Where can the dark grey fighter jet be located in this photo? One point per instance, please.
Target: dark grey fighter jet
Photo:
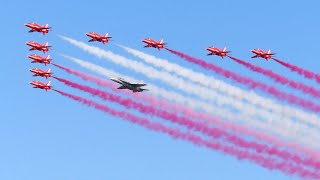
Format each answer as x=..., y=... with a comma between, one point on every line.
x=130, y=86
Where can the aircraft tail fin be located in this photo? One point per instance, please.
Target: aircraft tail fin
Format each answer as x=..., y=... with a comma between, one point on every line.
x=46, y=44
x=46, y=26
x=106, y=35
x=224, y=49
x=49, y=70
x=48, y=84
x=269, y=51
x=161, y=41
x=48, y=57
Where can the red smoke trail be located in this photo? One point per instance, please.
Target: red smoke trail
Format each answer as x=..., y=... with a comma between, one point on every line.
x=86, y=77
x=269, y=163
x=251, y=83
x=306, y=73
x=279, y=78
x=195, y=115
x=213, y=132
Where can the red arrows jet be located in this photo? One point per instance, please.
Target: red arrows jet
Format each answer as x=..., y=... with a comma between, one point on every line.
x=39, y=59
x=218, y=52
x=38, y=28
x=37, y=46
x=40, y=85
x=97, y=37
x=40, y=72
x=260, y=53
x=152, y=43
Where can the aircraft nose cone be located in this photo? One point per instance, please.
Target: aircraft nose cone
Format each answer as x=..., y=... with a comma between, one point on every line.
x=89, y=34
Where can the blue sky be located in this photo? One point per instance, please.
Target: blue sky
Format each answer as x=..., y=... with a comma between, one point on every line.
x=46, y=136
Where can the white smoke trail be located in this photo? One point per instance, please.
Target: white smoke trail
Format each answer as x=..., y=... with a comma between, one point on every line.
x=174, y=81
x=293, y=133
x=181, y=84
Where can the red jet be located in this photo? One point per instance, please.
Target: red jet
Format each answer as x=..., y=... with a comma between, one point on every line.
x=42, y=73
x=260, y=53
x=40, y=85
x=37, y=46
x=39, y=59
x=152, y=43
x=218, y=52
x=97, y=37
x=38, y=28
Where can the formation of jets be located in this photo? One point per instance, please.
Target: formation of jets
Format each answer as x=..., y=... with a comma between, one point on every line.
x=47, y=60
x=213, y=50
x=39, y=59
x=223, y=52
x=134, y=87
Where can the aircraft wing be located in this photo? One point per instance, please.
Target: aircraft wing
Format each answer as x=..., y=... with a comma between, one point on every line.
x=124, y=82
x=116, y=80
x=123, y=87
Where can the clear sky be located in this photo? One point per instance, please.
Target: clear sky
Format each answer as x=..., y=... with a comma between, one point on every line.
x=47, y=136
